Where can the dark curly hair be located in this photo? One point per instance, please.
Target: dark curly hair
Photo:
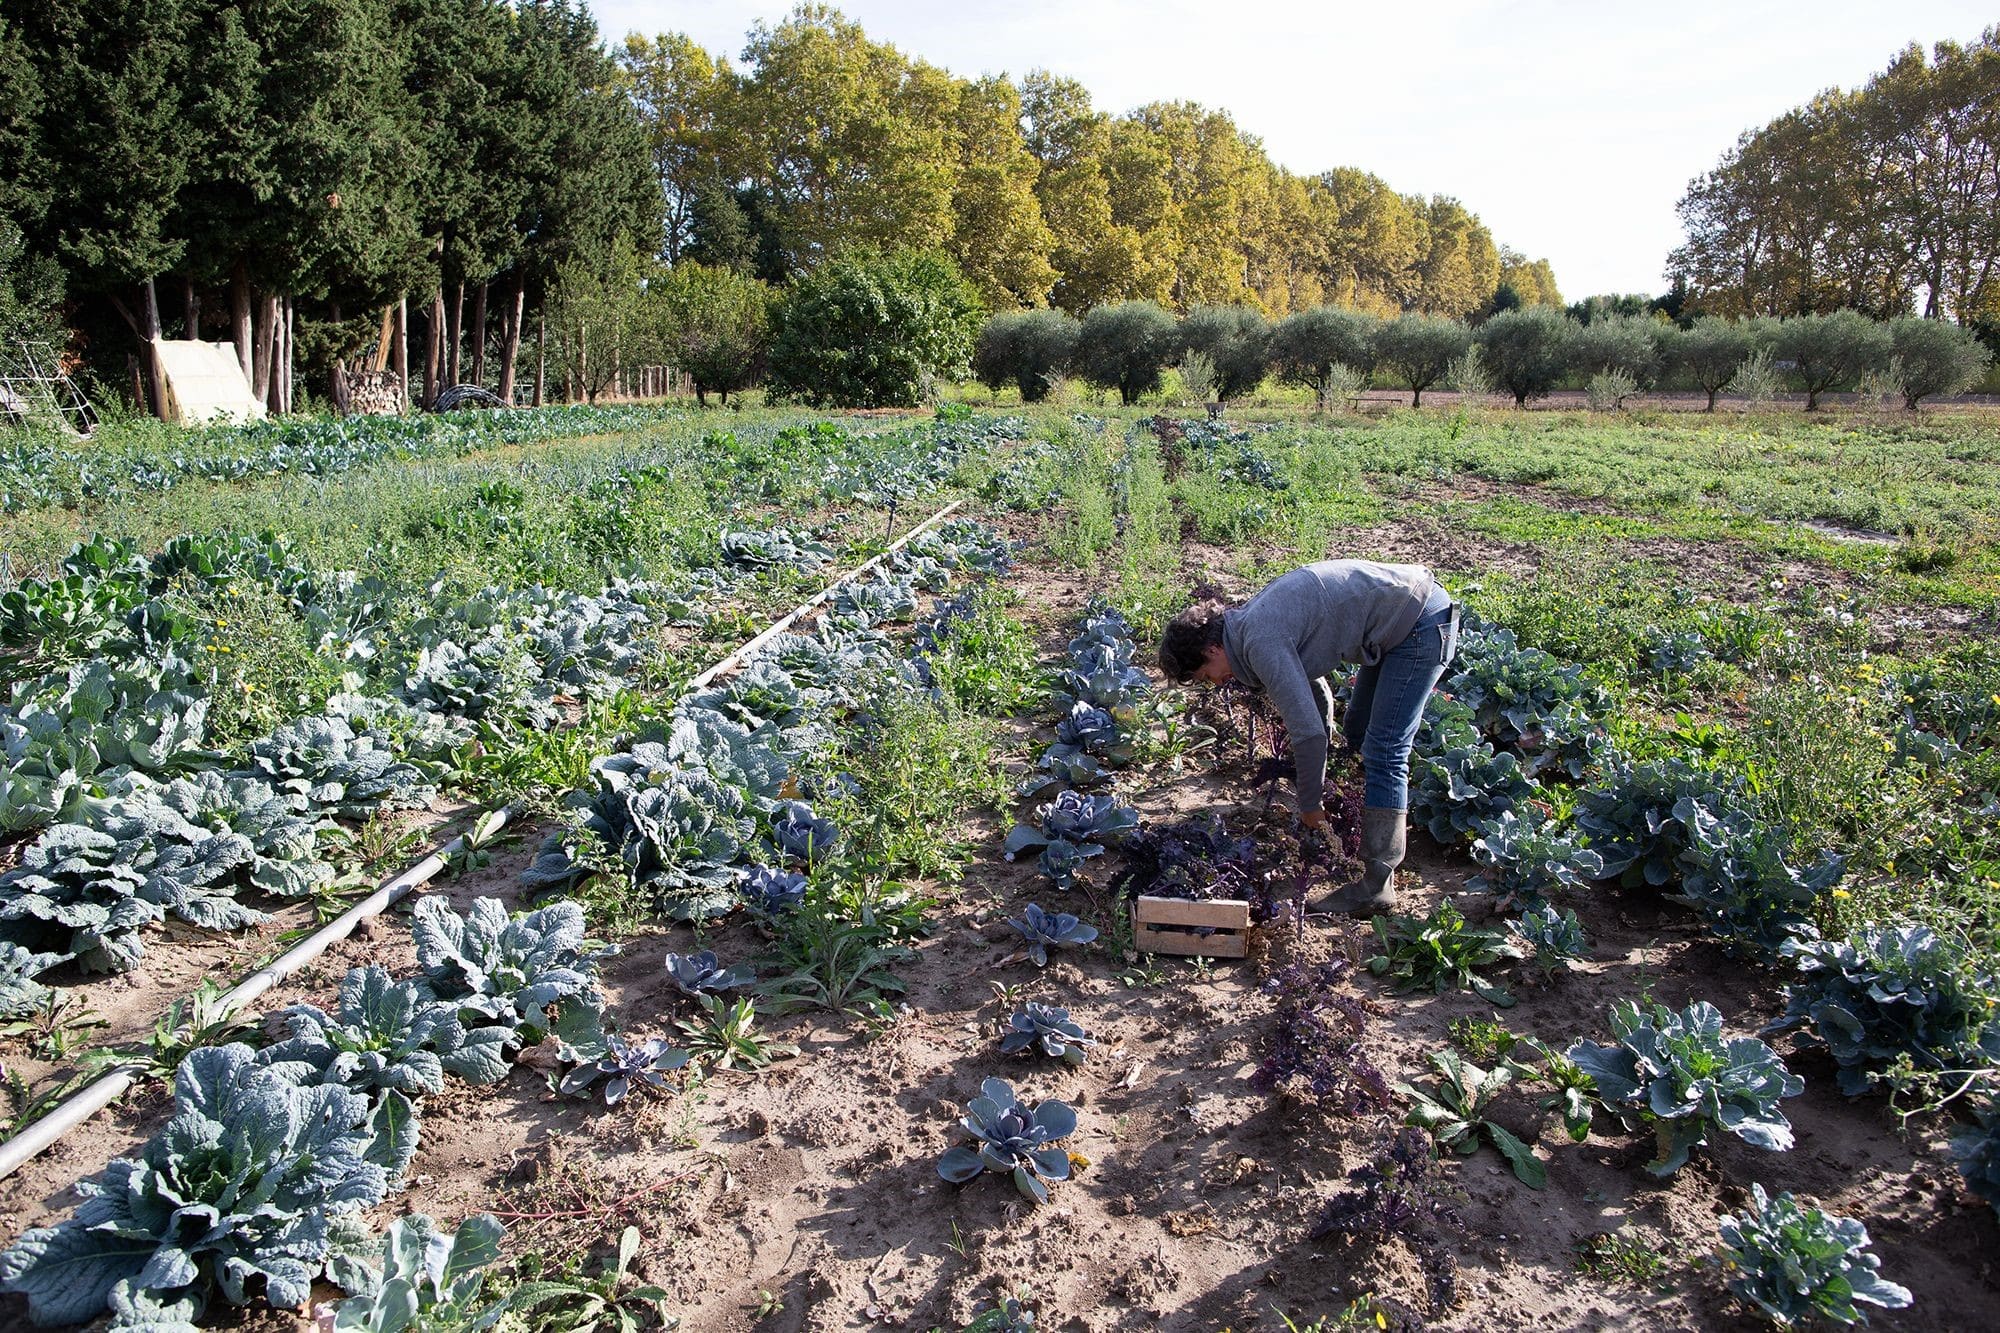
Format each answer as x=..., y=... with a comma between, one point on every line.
x=1184, y=647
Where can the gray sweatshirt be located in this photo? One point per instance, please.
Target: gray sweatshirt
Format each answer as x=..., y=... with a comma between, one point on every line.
x=1307, y=625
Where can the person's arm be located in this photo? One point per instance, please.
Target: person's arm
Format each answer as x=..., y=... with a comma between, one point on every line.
x=1291, y=691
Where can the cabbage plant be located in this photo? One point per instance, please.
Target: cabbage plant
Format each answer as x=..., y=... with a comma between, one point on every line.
x=527, y=974
x=1795, y=1262
x=1073, y=827
x=1011, y=1139
x=1459, y=792
x=1048, y=1029
x=1042, y=931
x=1525, y=855
x=321, y=764
x=1555, y=935
x=1676, y=1072
x=621, y=1066
x=701, y=974
x=243, y=1185
x=771, y=892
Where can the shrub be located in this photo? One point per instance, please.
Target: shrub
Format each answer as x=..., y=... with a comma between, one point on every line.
x=1125, y=347
x=1032, y=349
x=1237, y=342
x=1527, y=350
x=1830, y=350
x=1419, y=349
x=870, y=330
x=1708, y=355
x=1937, y=358
x=1312, y=347
x=714, y=323
x=1794, y=1262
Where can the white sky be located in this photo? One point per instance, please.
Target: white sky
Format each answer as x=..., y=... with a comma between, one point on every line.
x=1571, y=128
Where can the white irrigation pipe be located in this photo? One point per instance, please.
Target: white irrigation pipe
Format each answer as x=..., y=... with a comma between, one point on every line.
x=79, y=1107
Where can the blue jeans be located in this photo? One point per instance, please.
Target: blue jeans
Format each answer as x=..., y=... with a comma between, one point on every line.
x=1388, y=701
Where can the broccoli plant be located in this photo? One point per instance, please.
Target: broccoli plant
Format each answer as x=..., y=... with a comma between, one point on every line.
x=1050, y=1030
x=1795, y=1262
x=1073, y=827
x=701, y=974
x=1633, y=818
x=1555, y=936
x=1440, y=951
x=1678, y=1073
x=1457, y=1112
x=1525, y=856
x=243, y=1185
x=1042, y=931
x=1736, y=875
x=534, y=975
x=1013, y=1140
x=429, y=1280
x=1513, y=692
x=1675, y=652
x=623, y=1066
x=1890, y=991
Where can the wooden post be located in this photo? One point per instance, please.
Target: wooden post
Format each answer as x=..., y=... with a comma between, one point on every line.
x=401, y=353
x=479, y=336
x=267, y=328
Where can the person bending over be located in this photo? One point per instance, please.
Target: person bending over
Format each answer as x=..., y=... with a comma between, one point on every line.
x=1396, y=622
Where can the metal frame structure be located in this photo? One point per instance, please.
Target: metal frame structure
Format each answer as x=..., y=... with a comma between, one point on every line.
x=34, y=385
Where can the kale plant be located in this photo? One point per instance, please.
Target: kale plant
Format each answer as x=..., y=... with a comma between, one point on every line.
x=1678, y=1073
x=76, y=895
x=20, y=994
x=429, y=1280
x=1196, y=859
x=1315, y=1049
x=1013, y=1140
x=1048, y=1029
x=1440, y=951
x=621, y=1066
x=1042, y=931
x=1457, y=1112
x=386, y=1034
x=1525, y=856
x=534, y=974
x=322, y=765
x=1796, y=1263
x=245, y=1182
x=1400, y=1192
x=700, y=974
x=1555, y=936
x=1890, y=991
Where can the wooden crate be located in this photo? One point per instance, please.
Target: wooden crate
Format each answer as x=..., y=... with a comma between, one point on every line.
x=1168, y=925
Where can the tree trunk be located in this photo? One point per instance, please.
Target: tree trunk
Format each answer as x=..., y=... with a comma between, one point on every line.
x=149, y=334
x=456, y=335
x=434, y=349
x=510, y=347
x=193, y=303
x=583, y=365
x=541, y=355
x=285, y=366
x=138, y=374
x=239, y=317
x=1711, y=398
x=399, y=353
x=384, y=339
x=479, y=336
x=260, y=370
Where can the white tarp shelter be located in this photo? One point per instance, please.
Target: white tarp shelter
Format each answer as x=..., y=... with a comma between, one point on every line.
x=202, y=382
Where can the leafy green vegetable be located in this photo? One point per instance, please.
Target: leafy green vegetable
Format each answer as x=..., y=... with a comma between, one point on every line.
x=1457, y=1113
x=1440, y=951
x=1013, y=1140
x=1048, y=1029
x=429, y=1280
x=1678, y=1073
x=244, y=1183
x=533, y=974
x=1795, y=1262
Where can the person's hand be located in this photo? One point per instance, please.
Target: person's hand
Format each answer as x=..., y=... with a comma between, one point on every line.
x=1313, y=819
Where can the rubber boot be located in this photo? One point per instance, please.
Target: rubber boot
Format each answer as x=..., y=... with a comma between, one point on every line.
x=1384, y=838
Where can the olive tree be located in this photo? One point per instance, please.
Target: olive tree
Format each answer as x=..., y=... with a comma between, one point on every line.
x=1708, y=355
x=1030, y=349
x=1418, y=349
x=1631, y=343
x=1830, y=350
x=1125, y=347
x=1308, y=348
x=1237, y=342
x=1527, y=350
x=1936, y=358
